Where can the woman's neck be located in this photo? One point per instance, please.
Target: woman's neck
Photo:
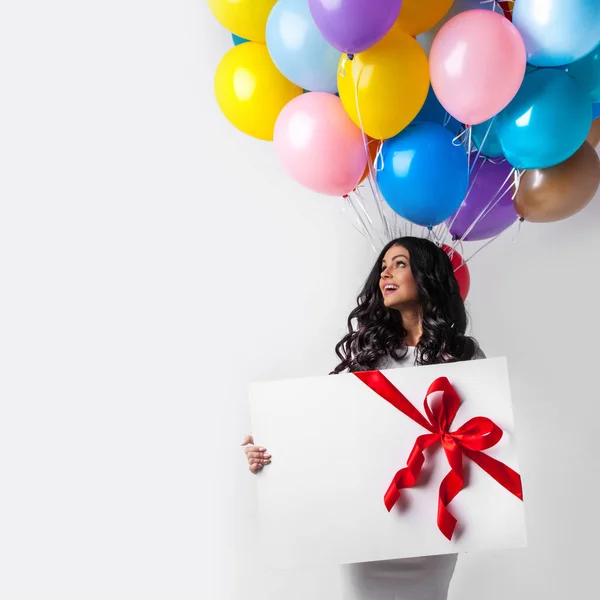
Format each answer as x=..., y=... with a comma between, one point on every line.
x=413, y=325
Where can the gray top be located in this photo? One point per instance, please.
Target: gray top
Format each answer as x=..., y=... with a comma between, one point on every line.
x=409, y=359
x=426, y=578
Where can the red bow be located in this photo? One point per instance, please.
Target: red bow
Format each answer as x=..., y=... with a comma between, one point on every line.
x=477, y=434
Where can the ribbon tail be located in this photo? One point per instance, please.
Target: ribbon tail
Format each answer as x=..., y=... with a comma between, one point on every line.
x=449, y=489
x=502, y=473
x=407, y=477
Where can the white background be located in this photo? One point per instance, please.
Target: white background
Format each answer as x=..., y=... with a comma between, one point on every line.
x=153, y=260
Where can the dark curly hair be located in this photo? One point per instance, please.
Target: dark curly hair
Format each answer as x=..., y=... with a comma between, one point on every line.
x=375, y=332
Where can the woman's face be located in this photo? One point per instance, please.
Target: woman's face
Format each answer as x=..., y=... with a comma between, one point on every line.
x=397, y=284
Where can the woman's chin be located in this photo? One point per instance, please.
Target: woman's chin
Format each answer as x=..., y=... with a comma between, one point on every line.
x=391, y=303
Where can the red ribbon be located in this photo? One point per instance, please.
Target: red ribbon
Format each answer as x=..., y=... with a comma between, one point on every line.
x=477, y=434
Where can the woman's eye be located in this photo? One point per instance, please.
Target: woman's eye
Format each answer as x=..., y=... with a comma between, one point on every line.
x=400, y=263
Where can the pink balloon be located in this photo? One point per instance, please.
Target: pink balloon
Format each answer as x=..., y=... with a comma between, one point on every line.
x=319, y=145
x=477, y=64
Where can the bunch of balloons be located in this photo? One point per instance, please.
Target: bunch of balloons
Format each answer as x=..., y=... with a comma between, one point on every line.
x=468, y=113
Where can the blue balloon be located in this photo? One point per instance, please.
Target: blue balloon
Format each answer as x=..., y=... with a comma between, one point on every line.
x=299, y=50
x=434, y=112
x=586, y=71
x=237, y=40
x=486, y=140
x=547, y=122
x=557, y=32
x=595, y=110
x=424, y=175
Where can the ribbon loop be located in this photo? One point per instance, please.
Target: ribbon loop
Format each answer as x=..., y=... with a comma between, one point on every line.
x=477, y=434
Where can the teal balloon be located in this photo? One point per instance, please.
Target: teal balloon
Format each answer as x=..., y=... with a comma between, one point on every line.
x=298, y=48
x=546, y=122
x=237, y=40
x=586, y=71
x=557, y=32
x=425, y=176
x=486, y=140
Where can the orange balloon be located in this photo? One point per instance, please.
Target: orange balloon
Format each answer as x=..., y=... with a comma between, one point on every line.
x=373, y=148
x=419, y=16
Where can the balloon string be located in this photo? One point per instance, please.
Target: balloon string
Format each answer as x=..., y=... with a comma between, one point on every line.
x=371, y=177
x=490, y=205
x=343, y=65
x=469, y=148
x=365, y=230
x=480, y=147
x=458, y=140
x=379, y=158
x=473, y=180
x=520, y=222
x=360, y=202
x=518, y=230
x=482, y=247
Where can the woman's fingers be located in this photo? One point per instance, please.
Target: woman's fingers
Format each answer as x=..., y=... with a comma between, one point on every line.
x=255, y=468
x=250, y=449
x=259, y=460
x=258, y=455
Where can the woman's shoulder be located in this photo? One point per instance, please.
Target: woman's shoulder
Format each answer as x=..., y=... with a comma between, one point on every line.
x=471, y=350
x=479, y=353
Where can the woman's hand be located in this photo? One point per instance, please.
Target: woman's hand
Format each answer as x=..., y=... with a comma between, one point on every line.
x=257, y=456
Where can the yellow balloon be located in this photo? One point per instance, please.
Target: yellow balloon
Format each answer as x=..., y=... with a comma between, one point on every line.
x=417, y=16
x=392, y=81
x=250, y=90
x=246, y=18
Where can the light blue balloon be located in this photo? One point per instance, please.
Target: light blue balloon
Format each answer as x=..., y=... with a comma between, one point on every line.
x=299, y=50
x=425, y=176
x=557, y=32
x=595, y=110
x=547, y=121
x=587, y=72
x=237, y=40
x=486, y=139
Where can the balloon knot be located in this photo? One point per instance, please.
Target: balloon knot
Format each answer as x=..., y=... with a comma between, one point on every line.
x=350, y=56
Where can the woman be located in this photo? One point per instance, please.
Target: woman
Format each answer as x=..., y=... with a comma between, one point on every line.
x=410, y=312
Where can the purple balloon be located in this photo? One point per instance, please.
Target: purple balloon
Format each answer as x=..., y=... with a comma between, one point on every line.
x=353, y=26
x=490, y=185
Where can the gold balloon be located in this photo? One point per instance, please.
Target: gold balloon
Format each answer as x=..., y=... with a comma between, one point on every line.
x=419, y=16
x=559, y=192
x=246, y=18
x=251, y=91
x=594, y=135
x=391, y=80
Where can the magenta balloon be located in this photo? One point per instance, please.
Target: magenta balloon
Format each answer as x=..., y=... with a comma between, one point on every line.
x=490, y=183
x=354, y=26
